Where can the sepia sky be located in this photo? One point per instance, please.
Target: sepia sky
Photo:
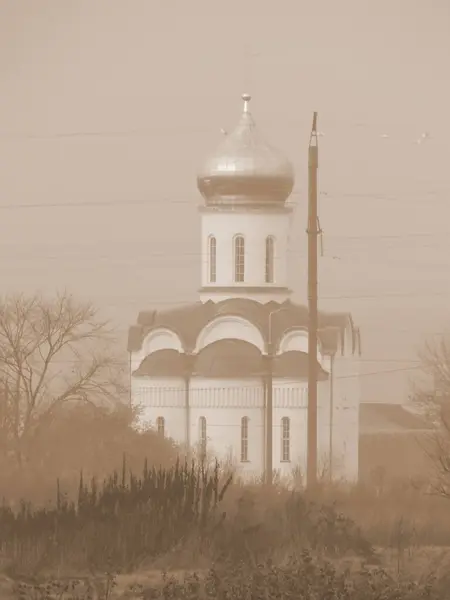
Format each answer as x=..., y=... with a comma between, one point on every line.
x=108, y=107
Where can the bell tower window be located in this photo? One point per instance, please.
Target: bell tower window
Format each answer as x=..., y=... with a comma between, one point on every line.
x=212, y=259
x=270, y=247
x=239, y=259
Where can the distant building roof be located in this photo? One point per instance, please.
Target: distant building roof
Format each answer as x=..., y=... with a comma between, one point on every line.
x=375, y=418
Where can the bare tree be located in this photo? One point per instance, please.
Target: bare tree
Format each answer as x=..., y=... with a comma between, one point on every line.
x=52, y=352
x=434, y=398
x=434, y=394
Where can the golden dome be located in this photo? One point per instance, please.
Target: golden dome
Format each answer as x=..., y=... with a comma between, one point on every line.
x=245, y=169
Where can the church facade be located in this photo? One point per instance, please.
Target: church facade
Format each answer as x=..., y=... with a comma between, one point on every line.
x=200, y=372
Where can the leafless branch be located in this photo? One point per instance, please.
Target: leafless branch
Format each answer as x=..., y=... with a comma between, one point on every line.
x=51, y=352
x=435, y=399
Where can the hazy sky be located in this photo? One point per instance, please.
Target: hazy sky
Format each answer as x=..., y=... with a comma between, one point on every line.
x=112, y=105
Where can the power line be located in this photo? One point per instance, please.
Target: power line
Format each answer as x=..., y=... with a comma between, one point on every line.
x=376, y=327
x=184, y=128
x=198, y=201
x=142, y=307
x=293, y=382
x=181, y=254
x=125, y=362
x=181, y=303
x=162, y=259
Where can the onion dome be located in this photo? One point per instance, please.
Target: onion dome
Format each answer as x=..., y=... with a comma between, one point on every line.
x=245, y=170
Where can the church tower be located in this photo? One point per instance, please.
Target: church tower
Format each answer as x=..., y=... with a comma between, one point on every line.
x=245, y=220
x=228, y=374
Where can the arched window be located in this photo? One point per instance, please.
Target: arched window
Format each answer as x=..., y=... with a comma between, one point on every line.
x=160, y=423
x=239, y=258
x=270, y=248
x=212, y=258
x=202, y=435
x=285, y=439
x=244, y=439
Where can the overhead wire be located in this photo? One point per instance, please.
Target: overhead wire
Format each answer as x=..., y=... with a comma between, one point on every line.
x=404, y=361
x=146, y=202
x=287, y=381
x=270, y=117
x=419, y=195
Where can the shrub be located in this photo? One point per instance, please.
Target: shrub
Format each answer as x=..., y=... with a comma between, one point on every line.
x=81, y=438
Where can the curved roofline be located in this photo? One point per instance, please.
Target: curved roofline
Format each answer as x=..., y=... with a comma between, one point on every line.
x=245, y=168
x=178, y=365
x=186, y=322
x=240, y=319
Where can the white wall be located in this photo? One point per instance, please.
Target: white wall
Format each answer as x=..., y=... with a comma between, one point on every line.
x=323, y=427
x=290, y=399
x=162, y=397
x=346, y=400
x=223, y=403
x=255, y=227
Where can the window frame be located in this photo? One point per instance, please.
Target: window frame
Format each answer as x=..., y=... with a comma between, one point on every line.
x=239, y=258
x=285, y=440
x=244, y=439
x=212, y=259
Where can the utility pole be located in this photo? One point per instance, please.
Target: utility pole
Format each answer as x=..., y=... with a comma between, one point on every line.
x=269, y=410
x=313, y=234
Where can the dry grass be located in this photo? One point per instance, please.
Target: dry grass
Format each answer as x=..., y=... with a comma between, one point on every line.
x=181, y=531
x=249, y=541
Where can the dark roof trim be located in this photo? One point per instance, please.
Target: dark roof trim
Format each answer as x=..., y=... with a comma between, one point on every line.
x=188, y=321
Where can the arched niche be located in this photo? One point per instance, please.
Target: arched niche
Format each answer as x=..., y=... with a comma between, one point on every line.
x=230, y=327
x=161, y=339
x=296, y=340
x=158, y=339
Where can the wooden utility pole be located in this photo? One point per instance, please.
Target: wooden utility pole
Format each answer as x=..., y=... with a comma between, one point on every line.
x=269, y=412
x=313, y=234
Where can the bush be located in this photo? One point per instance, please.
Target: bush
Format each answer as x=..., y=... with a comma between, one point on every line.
x=117, y=523
x=80, y=438
x=304, y=577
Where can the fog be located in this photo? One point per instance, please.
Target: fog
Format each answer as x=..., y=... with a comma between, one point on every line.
x=108, y=108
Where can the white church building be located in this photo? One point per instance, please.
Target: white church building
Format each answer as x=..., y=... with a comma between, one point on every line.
x=200, y=372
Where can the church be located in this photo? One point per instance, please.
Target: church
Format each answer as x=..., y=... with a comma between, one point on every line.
x=200, y=372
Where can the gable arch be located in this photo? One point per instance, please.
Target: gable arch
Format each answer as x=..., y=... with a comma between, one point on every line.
x=161, y=338
x=296, y=340
x=228, y=327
